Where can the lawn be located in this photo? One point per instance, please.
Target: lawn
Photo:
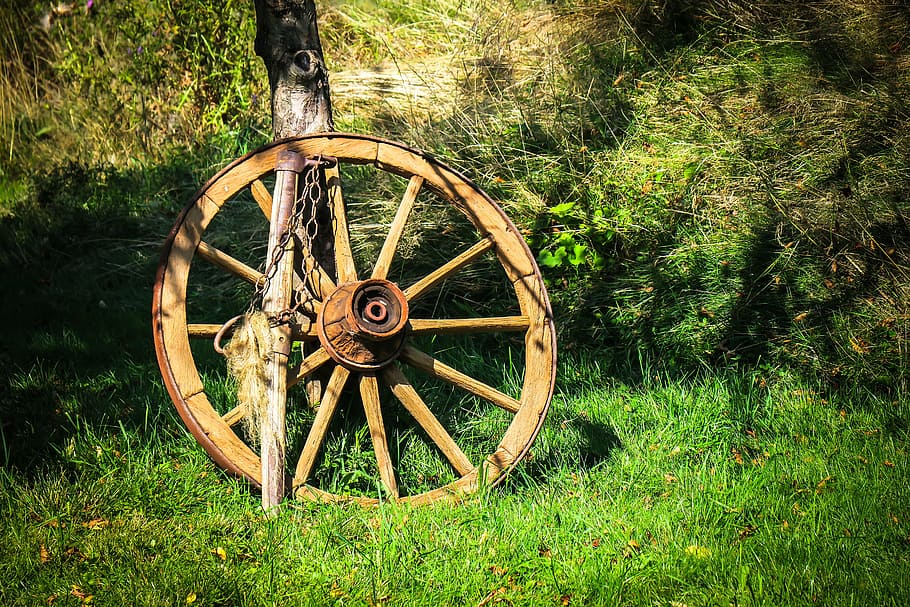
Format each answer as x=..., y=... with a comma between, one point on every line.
x=717, y=198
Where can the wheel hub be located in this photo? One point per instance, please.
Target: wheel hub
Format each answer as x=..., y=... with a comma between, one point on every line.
x=363, y=324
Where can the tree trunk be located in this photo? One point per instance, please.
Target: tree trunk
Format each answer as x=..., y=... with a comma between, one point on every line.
x=287, y=39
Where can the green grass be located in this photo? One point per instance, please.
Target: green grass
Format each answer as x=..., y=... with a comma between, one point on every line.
x=717, y=192
x=706, y=491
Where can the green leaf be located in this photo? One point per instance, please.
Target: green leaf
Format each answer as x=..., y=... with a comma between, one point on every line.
x=561, y=210
x=547, y=259
x=566, y=239
x=578, y=255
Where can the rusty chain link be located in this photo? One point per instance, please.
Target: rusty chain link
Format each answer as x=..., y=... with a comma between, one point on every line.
x=310, y=195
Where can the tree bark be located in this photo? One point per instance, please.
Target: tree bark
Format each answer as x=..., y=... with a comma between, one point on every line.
x=287, y=39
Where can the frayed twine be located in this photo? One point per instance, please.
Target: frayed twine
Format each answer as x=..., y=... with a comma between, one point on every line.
x=248, y=356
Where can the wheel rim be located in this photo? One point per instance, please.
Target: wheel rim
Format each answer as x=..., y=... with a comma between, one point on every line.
x=382, y=379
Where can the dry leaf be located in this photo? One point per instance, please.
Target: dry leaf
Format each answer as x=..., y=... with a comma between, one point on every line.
x=747, y=531
x=801, y=317
x=191, y=598
x=220, y=553
x=43, y=554
x=859, y=345
x=81, y=595
x=336, y=592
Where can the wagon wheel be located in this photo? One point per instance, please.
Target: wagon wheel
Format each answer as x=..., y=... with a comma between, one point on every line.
x=402, y=299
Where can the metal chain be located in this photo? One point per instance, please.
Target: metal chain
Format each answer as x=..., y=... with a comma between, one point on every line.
x=310, y=195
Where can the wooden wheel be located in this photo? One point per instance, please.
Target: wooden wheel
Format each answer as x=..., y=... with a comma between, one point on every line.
x=432, y=335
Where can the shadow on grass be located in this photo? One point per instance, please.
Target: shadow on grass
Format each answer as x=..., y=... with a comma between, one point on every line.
x=77, y=259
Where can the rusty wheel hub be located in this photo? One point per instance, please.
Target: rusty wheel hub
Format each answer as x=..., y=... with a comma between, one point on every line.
x=363, y=324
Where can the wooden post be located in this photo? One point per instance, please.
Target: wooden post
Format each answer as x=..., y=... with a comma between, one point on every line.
x=287, y=39
x=275, y=302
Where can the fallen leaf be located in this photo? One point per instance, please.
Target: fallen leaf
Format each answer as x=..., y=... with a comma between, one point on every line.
x=43, y=554
x=859, y=345
x=220, y=553
x=888, y=463
x=565, y=600
x=801, y=317
x=96, y=523
x=747, y=531
x=737, y=456
x=497, y=570
x=544, y=551
x=191, y=598
x=335, y=591
x=492, y=595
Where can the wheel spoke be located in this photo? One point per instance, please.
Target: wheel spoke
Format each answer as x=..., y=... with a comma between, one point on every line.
x=440, y=326
x=344, y=258
x=199, y=330
x=405, y=392
x=307, y=366
x=226, y=262
x=324, y=414
x=233, y=417
x=369, y=393
x=384, y=261
x=426, y=363
x=429, y=281
x=262, y=196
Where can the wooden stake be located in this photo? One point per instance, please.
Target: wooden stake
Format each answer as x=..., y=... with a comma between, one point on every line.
x=275, y=300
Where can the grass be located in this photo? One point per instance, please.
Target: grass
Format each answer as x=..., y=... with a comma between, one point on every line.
x=717, y=194
x=707, y=491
